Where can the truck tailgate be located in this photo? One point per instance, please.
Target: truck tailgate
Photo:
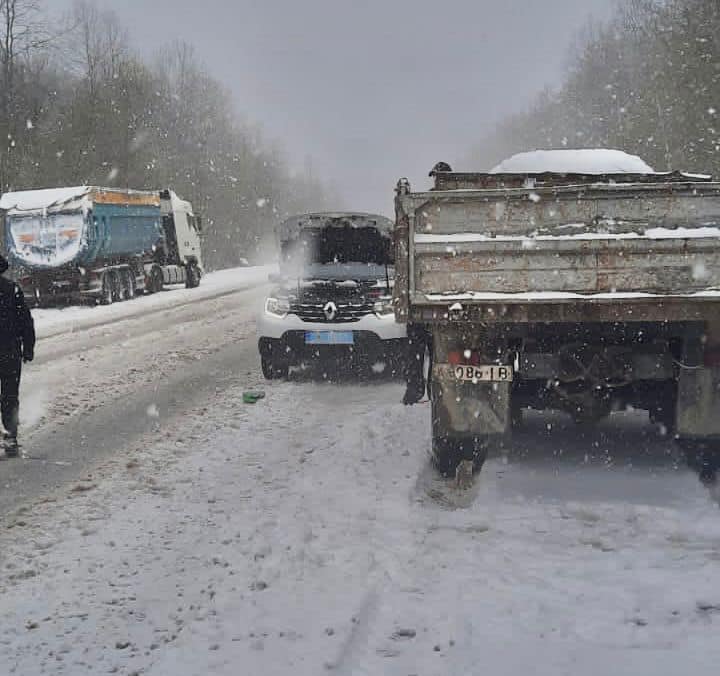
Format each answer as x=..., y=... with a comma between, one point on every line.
x=561, y=243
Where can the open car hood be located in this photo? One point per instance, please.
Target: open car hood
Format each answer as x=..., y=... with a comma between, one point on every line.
x=339, y=244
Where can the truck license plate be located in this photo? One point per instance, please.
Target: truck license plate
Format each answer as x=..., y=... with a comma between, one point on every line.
x=329, y=338
x=476, y=374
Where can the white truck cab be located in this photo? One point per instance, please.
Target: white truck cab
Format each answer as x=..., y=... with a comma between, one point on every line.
x=182, y=256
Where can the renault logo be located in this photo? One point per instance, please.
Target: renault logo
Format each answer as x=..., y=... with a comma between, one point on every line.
x=330, y=311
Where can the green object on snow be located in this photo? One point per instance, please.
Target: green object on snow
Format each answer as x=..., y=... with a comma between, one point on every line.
x=253, y=396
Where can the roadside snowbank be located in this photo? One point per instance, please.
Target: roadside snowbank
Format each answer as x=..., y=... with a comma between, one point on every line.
x=51, y=322
x=307, y=534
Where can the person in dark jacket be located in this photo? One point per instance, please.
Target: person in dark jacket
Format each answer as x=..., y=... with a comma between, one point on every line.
x=17, y=345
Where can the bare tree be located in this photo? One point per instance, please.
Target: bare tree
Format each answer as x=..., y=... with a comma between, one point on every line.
x=23, y=32
x=95, y=112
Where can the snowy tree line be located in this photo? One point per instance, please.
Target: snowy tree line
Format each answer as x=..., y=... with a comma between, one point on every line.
x=78, y=105
x=646, y=82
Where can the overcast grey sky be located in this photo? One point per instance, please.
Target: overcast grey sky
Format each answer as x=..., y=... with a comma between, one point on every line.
x=371, y=90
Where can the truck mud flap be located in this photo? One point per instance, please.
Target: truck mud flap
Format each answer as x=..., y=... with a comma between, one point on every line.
x=698, y=403
x=469, y=409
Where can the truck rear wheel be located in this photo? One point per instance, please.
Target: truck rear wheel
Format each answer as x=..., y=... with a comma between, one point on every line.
x=192, y=280
x=449, y=451
x=108, y=288
x=155, y=281
x=703, y=457
x=273, y=369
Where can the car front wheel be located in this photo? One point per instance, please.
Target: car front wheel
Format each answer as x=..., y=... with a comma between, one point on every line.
x=274, y=370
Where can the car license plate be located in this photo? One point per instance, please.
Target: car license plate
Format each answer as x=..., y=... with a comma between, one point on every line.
x=329, y=338
x=476, y=374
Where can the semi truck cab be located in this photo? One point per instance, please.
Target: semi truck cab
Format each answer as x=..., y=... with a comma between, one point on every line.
x=181, y=249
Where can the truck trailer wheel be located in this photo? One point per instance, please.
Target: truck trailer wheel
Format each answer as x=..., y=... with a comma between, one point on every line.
x=126, y=284
x=663, y=410
x=108, y=288
x=155, y=281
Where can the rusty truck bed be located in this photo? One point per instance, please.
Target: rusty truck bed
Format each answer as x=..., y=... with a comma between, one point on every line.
x=559, y=248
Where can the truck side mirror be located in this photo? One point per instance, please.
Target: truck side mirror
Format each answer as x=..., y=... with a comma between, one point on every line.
x=198, y=223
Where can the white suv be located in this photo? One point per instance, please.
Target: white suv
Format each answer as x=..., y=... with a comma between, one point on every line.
x=333, y=298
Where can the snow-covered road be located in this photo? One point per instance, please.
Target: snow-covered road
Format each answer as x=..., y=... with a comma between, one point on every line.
x=308, y=534
x=102, y=376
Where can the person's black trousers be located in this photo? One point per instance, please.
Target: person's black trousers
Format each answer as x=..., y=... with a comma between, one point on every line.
x=10, y=370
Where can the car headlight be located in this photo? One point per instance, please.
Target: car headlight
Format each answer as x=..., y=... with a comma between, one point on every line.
x=384, y=307
x=277, y=307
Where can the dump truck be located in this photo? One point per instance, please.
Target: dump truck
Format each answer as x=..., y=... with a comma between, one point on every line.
x=99, y=244
x=585, y=289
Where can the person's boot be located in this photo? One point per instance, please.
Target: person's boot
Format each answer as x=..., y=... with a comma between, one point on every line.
x=11, y=445
x=11, y=432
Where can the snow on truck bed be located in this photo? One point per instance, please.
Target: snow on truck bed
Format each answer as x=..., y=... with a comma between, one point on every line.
x=540, y=296
x=582, y=161
x=36, y=200
x=649, y=233
x=51, y=322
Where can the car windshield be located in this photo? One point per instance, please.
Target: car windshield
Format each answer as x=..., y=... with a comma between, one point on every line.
x=359, y=338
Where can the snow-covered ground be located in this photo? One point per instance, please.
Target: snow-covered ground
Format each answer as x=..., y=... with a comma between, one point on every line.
x=307, y=534
x=50, y=322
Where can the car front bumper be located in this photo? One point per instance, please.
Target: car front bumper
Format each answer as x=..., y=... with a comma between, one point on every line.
x=374, y=339
x=384, y=328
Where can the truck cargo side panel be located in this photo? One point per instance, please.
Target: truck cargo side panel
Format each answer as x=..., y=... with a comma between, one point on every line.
x=121, y=231
x=469, y=243
x=527, y=211
x=641, y=266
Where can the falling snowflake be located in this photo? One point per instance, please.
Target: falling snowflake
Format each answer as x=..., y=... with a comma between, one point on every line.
x=699, y=270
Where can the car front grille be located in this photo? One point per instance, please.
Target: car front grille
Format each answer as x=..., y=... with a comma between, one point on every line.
x=345, y=312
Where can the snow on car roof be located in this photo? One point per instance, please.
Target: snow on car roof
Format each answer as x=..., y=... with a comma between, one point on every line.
x=581, y=161
x=34, y=200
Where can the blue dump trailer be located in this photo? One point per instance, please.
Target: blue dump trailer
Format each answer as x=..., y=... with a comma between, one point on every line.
x=100, y=243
